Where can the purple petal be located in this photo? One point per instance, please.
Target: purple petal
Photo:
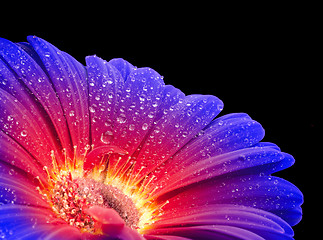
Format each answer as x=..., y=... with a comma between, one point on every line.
x=18, y=123
x=209, y=233
x=123, y=66
x=69, y=79
x=269, y=193
x=105, y=82
x=31, y=74
x=17, y=188
x=179, y=125
x=225, y=134
x=265, y=224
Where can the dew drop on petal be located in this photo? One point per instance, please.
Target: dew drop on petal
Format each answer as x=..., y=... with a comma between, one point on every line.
x=145, y=126
x=23, y=133
x=107, y=137
x=131, y=127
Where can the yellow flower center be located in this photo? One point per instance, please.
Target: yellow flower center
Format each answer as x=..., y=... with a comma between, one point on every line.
x=70, y=191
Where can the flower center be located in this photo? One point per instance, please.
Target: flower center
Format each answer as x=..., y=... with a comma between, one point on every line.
x=72, y=188
x=70, y=197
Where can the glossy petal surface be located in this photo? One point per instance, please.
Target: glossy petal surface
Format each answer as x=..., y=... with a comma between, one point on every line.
x=108, y=151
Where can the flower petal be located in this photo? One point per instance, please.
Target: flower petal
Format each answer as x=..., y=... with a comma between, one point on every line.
x=19, y=124
x=32, y=75
x=14, y=154
x=123, y=66
x=69, y=79
x=165, y=237
x=240, y=162
x=27, y=222
x=269, y=193
x=16, y=187
x=135, y=109
x=225, y=134
x=105, y=82
x=179, y=125
x=209, y=232
x=265, y=224
x=112, y=225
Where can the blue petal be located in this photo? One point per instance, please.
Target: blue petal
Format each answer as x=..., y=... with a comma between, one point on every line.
x=29, y=75
x=124, y=67
x=70, y=82
x=179, y=124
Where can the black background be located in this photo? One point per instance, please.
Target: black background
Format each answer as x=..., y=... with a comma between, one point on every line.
x=261, y=62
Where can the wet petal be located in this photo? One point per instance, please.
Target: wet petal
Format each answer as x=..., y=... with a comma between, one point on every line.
x=16, y=187
x=105, y=84
x=69, y=79
x=179, y=125
x=209, y=232
x=27, y=222
x=269, y=193
x=37, y=82
x=123, y=66
x=18, y=123
x=241, y=162
x=265, y=224
x=225, y=134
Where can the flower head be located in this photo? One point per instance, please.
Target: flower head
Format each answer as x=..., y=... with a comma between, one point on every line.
x=108, y=151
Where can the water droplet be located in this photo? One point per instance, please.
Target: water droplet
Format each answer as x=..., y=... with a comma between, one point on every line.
x=132, y=127
x=107, y=137
x=71, y=113
x=10, y=118
x=23, y=133
x=11, y=171
x=122, y=118
x=145, y=126
x=92, y=109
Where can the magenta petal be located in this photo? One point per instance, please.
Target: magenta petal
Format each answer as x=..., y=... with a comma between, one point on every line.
x=105, y=84
x=110, y=220
x=209, y=232
x=112, y=225
x=165, y=237
x=17, y=122
x=265, y=224
x=269, y=193
x=13, y=153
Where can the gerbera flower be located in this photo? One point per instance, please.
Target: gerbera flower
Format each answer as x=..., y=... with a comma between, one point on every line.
x=108, y=151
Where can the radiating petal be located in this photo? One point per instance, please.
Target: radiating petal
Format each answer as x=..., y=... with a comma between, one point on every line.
x=33, y=77
x=105, y=84
x=265, y=224
x=13, y=153
x=170, y=97
x=179, y=125
x=16, y=187
x=69, y=79
x=135, y=110
x=225, y=134
x=19, y=124
x=123, y=66
x=27, y=222
x=269, y=193
x=165, y=237
x=209, y=233
x=264, y=160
